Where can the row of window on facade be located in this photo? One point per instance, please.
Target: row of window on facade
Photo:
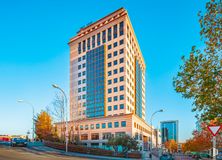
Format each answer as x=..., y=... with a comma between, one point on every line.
x=115, y=98
x=97, y=39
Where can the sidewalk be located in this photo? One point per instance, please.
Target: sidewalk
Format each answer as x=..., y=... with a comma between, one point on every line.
x=53, y=151
x=146, y=156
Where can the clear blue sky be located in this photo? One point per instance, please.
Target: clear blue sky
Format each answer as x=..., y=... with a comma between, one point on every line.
x=34, y=53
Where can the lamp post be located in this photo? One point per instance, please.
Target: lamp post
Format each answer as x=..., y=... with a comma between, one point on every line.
x=65, y=106
x=33, y=114
x=151, y=122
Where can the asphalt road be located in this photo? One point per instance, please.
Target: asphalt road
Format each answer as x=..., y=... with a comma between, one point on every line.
x=20, y=153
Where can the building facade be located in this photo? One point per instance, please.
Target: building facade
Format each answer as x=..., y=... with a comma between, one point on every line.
x=169, y=131
x=107, y=82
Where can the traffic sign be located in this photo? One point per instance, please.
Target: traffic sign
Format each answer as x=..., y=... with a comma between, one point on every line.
x=214, y=129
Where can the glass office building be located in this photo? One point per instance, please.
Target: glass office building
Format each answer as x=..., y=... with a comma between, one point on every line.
x=169, y=131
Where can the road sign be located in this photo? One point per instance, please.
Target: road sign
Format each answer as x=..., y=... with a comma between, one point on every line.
x=214, y=129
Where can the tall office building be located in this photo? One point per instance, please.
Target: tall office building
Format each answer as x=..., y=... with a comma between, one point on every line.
x=107, y=82
x=169, y=131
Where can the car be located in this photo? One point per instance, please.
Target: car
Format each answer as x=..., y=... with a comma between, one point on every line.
x=18, y=142
x=166, y=157
x=219, y=156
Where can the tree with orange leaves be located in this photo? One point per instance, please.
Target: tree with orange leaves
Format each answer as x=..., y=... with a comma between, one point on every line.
x=171, y=145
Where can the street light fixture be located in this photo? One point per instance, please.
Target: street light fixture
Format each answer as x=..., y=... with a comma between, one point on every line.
x=33, y=114
x=151, y=122
x=65, y=106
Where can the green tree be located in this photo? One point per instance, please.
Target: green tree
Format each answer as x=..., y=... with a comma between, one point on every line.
x=44, y=127
x=200, y=76
x=126, y=142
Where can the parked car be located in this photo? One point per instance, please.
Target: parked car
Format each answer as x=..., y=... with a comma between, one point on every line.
x=18, y=142
x=219, y=156
x=166, y=156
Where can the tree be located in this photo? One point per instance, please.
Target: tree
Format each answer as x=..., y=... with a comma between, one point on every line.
x=44, y=128
x=125, y=141
x=171, y=145
x=200, y=76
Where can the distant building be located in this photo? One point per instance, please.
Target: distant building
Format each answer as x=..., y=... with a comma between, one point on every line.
x=169, y=131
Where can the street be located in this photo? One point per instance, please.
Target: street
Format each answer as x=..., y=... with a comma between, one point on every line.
x=20, y=153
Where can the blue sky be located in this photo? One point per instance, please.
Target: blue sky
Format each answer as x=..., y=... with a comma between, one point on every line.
x=34, y=53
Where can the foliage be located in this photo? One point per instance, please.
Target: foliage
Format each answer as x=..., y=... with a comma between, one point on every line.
x=201, y=141
x=126, y=142
x=44, y=128
x=171, y=145
x=200, y=76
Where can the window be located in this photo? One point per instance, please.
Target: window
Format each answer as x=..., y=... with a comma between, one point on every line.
x=81, y=127
x=83, y=57
x=121, y=42
x=109, y=47
x=84, y=46
x=79, y=89
x=98, y=39
x=93, y=41
x=110, y=90
x=88, y=43
x=110, y=99
x=121, y=88
x=79, y=74
x=104, y=36
x=109, y=82
x=109, y=55
x=115, y=98
x=79, y=47
x=109, y=108
x=121, y=51
x=123, y=124
x=115, y=44
x=95, y=136
x=121, y=69
x=103, y=125
x=84, y=136
x=115, y=107
x=86, y=127
x=84, y=73
x=110, y=125
x=115, y=62
x=121, y=97
x=115, y=53
x=109, y=73
x=79, y=59
x=84, y=96
x=79, y=66
x=97, y=126
x=115, y=71
x=115, y=80
x=115, y=31
x=92, y=126
x=84, y=81
x=121, y=28
x=121, y=79
x=121, y=106
x=107, y=135
x=84, y=89
x=79, y=82
x=109, y=34
x=115, y=89
x=121, y=60
x=109, y=64
x=83, y=65
x=116, y=124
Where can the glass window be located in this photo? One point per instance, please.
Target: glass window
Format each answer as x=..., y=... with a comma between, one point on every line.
x=109, y=108
x=84, y=96
x=115, y=71
x=116, y=124
x=109, y=81
x=115, y=62
x=115, y=53
x=86, y=127
x=79, y=47
x=79, y=89
x=84, y=136
x=88, y=43
x=84, y=46
x=79, y=66
x=109, y=64
x=115, y=107
x=95, y=136
x=103, y=125
x=81, y=127
x=79, y=74
x=121, y=28
x=83, y=65
x=121, y=97
x=123, y=124
x=115, y=89
x=121, y=69
x=98, y=39
x=109, y=73
x=79, y=82
x=84, y=73
x=84, y=81
x=84, y=89
x=104, y=36
x=115, y=31
x=121, y=106
x=121, y=78
x=121, y=51
x=93, y=41
x=109, y=55
x=79, y=59
x=115, y=80
x=121, y=60
x=109, y=34
x=121, y=42
x=110, y=125
x=97, y=126
x=115, y=98
x=110, y=99
x=121, y=88
x=115, y=44
x=110, y=90
x=92, y=126
x=109, y=47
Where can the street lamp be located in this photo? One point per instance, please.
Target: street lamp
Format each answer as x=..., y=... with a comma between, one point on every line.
x=33, y=114
x=65, y=106
x=151, y=122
